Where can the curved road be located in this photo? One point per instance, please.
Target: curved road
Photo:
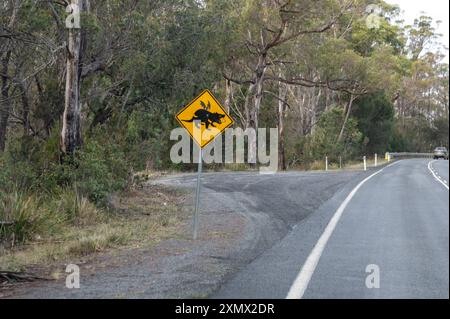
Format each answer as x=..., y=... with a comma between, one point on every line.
x=388, y=239
x=440, y=168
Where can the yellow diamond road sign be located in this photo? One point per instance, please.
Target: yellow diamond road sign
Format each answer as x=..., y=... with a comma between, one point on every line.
x=204, y=118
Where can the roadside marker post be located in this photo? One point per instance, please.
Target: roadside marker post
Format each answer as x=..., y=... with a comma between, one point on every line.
x=340, y=162
x=326, y=163
x=204, y=119
x=365, y=163
x=376, y=159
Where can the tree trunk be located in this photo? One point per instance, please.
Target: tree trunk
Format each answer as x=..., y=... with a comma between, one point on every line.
x=254, y=112
x=248, y=98
x=71, y=127
x=228, y=95
x=25, y=108
x=259, y=79
x=5, y=107
x=347, y=115
x=281, y=109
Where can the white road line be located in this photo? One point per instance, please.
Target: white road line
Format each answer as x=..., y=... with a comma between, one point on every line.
x=300, y=284
x=436, y=177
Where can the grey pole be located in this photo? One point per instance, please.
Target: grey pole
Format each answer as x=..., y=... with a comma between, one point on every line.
x=197, y=194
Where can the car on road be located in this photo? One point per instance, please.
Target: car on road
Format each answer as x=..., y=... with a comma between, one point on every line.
x=440, y=152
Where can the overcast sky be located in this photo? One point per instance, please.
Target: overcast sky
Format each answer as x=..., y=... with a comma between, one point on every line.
x=437, y=9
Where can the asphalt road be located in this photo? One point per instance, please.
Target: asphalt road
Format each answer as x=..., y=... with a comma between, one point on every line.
x=395, y=226
x=441, y=169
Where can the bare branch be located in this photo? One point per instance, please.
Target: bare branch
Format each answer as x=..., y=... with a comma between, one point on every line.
x=237, y=81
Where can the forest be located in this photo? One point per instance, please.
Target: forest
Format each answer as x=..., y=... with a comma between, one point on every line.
x=84, y=107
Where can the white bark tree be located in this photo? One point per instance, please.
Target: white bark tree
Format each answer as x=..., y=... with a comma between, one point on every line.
x=71, y=137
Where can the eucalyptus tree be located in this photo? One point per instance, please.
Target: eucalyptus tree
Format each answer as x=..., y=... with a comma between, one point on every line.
x=270, y=24
x=11, y=7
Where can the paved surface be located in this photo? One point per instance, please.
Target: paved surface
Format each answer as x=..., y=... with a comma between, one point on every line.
x=242, y=216
x=398, y=220
x=441, y=168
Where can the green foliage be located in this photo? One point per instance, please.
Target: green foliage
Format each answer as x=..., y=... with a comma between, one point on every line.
x=101, y=168
x=31, y=165
x=375, y=115
x=417, y=135
x=440, y=131
x=147, y=140
x=22, y=216
x=324, y=139
x=20, y=167
x=398, y=142
x=146, y=59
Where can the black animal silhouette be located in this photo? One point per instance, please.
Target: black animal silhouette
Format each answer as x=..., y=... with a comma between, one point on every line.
x=206, y=117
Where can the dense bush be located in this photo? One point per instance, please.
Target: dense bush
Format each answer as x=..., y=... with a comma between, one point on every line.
x=324, y=140
x=100, y=169
x=109, y=154
x=96, y=171
x=375, y=115
x=147, y=140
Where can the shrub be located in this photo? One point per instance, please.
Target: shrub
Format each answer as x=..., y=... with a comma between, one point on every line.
x=22, y=218
x=76, y=209
x=101, y=169
x=147, y=139
x=324, y=140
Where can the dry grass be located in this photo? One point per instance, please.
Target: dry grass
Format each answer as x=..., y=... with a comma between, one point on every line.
x=140, y=218
x=349, y=165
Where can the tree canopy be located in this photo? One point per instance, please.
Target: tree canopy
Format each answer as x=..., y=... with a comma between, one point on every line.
x=318, y=70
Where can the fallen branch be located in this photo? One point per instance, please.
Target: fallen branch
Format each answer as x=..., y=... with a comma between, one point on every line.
x=10, y=276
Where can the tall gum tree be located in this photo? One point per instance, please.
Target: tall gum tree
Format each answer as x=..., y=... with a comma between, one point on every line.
x=5, y=57
x=273, y=24
x=71, y=138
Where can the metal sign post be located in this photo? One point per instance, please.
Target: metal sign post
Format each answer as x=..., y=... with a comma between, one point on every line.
x=197, y=193
x=204, y=119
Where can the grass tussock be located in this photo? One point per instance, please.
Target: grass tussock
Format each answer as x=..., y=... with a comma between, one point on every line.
x=22, y=219
x=105, y=238
x=27, y=217
x=56, y=228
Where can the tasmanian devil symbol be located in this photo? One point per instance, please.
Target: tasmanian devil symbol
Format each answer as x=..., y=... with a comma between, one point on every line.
x=206, y=117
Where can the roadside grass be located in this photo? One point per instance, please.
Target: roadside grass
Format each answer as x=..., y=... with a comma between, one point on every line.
x=317, y=165
x=21, y=218
x=360, y=164
x=69, y=227
x=335, y=166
